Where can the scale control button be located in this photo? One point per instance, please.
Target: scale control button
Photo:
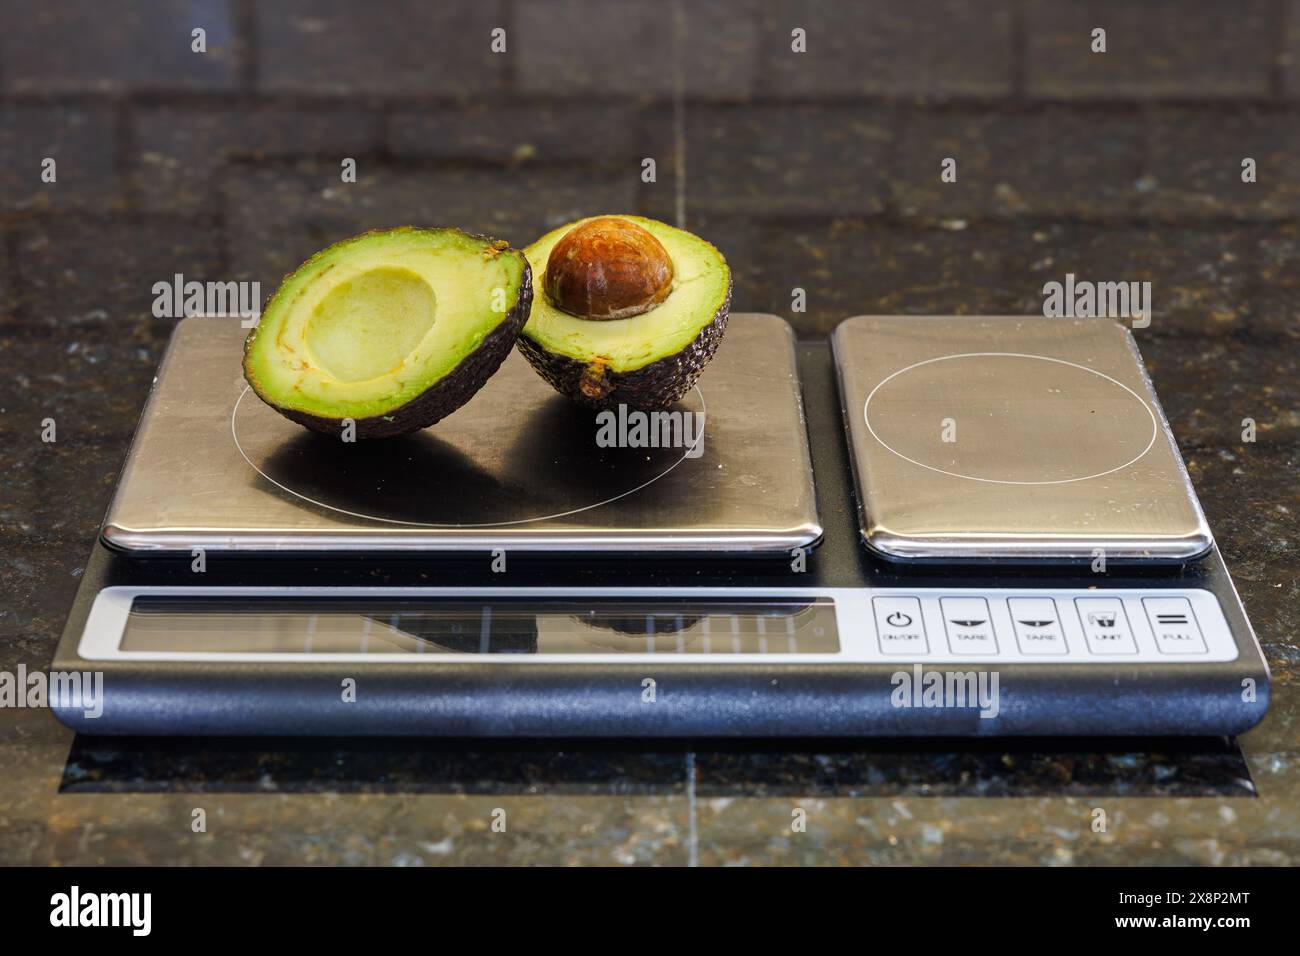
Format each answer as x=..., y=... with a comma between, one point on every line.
x=1105, y=625
x=1038, y=626
x=899, y=626
x=970, y=629
x=1174, y=625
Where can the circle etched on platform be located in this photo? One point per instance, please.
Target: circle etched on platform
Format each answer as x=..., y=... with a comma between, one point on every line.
x=1010, y=418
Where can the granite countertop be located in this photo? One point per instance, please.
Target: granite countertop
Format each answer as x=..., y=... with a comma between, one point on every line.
x=817, y=171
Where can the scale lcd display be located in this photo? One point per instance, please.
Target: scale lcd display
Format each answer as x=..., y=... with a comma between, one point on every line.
x=316, y=625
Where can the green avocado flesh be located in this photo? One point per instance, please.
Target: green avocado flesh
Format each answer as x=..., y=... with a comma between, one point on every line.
x=645, y=361
x=391, y=330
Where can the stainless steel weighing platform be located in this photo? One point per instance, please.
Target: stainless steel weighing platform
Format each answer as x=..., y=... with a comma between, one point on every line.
x=1011, y=439
x=517, y=468
x=500, y=574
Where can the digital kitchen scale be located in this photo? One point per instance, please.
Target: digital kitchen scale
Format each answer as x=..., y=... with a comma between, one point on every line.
x=504, y=574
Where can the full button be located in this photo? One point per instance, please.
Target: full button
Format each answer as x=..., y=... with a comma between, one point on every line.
x=1174, y=626
x=970, y=630
x=899, y=626
x=1105, y=625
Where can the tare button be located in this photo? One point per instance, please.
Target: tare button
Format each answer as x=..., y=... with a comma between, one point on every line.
x=1038, y=628
x=1105, y=625
x=1174, y=626
x=899, y=626
x=969, y=627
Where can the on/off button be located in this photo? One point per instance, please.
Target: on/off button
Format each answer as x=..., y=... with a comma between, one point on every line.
x=899, y=627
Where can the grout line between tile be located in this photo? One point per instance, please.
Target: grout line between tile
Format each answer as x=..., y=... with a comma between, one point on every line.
x=692, y=833
x=679, y=114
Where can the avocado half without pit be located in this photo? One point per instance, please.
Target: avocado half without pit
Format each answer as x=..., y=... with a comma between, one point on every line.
x=629, y=313
x=390, y=331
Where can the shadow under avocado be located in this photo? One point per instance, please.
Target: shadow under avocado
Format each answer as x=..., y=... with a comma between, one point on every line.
x=554, y=466
x=558, y=449
x=417, y=478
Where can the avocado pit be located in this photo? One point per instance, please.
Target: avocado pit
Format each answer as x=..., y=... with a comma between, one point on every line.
x=675, y=311
x=608, y=268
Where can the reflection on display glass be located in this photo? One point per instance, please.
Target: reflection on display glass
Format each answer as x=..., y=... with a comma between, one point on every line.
x=316, y=625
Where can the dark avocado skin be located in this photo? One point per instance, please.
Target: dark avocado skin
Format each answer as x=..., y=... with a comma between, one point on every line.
x=652, y=387
x=443, y=397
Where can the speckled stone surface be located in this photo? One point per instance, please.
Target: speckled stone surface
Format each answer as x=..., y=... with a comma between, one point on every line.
x=817, y=171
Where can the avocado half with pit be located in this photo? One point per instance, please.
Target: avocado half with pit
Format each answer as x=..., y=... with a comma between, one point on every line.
x=390, y=330
x=629, y=311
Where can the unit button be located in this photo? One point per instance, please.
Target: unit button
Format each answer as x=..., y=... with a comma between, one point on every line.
x=1174, y=626
x=1038, y=627
x=969, y=627
x=1105, y=625
x=899, y=626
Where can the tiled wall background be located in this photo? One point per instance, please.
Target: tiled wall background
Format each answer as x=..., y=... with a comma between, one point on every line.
x=818, y=170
